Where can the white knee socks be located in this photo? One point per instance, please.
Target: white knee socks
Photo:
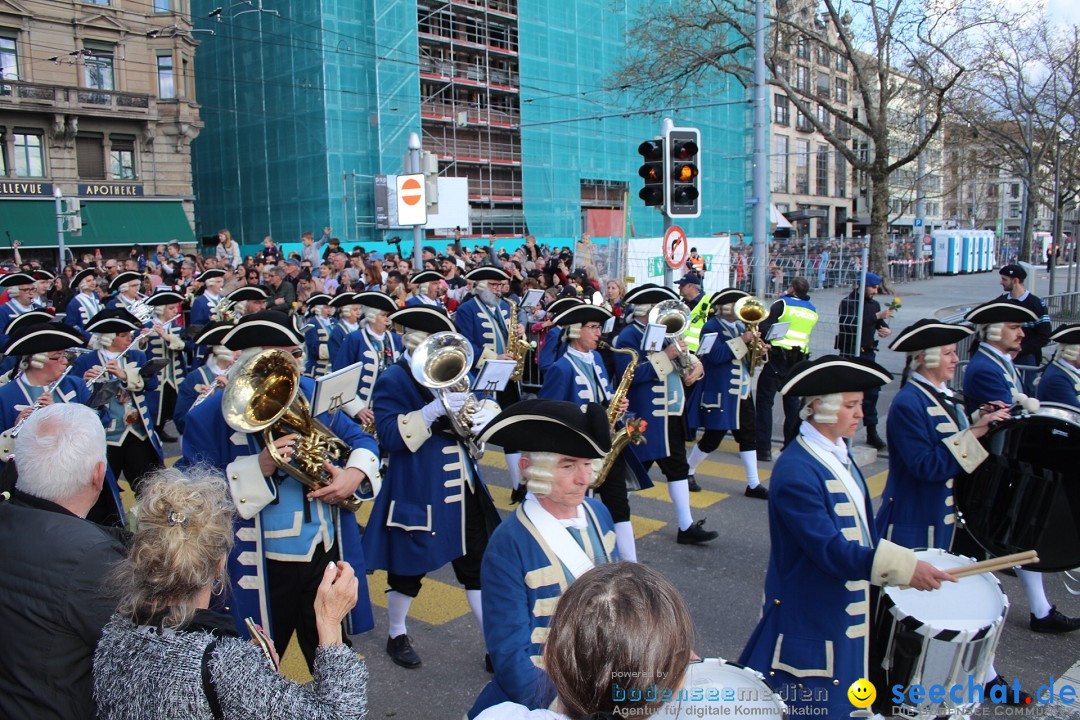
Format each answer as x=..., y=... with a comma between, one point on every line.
x=513, y=461
x=679, y=490
x=624, y=541
x=473, y=596
x=397, y=607
x=696, y=456
x=1036, y=594
x=749, y=461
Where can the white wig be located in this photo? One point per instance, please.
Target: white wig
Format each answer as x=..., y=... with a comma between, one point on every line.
x=827, y=409
x=101, y=341
x=1067, y=352
x=215, y=283
x=88, y=283
x=368, y=315
x=412, y=339
x=991, y=332
x=348, y=312
x=35, y=361
x=130, y=285
x=642, y=309
x=573, y=332
x=539, y=472
x=222, y=352
x=930, y=358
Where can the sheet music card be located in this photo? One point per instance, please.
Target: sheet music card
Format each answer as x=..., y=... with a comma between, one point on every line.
x=653, y=339
x=707, y=342
x=532, y=298
x=777, y=331
x=335, y=389
x=494, y=376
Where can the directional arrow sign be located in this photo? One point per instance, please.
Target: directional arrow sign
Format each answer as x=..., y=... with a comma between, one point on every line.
x=411, y=205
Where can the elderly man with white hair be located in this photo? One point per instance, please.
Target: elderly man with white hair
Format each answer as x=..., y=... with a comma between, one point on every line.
x=427, y=285
x=202, y=307
x=85, y=304
x=125, y=287
x=374, y=345
x=1060, y=381
x=555, y=536
x=825, y=551
x=347, y=321
x=52, y=601
x=21, y=289
x=434, y=508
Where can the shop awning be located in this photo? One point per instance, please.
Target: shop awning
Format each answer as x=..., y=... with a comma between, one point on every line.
x=105, y=222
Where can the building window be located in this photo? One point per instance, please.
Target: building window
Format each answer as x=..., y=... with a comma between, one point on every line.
x=9, y=62
x=802, y=48
x=823, y=153
x=783, y=69
x=780, y=164
x=840, y=185
x=90, y=156
x=802, y=167
x=781, y=110
x=99, y=71
x=823, y=86
x=823, y=56
x=29, y=155
x=183, y=76
x=122, y=158
x=841, y=63
x=162, y=6
x=98, y=2
x=166, y=77
x=823, y=116
x=1014, y=190
x=841, y=90
x=802, y=122
x=802, y=78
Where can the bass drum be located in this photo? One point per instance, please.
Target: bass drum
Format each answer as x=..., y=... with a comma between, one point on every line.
x=1026, y=495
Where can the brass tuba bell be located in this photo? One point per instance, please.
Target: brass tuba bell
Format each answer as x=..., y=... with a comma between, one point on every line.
x=751, y=311
x=263, y=395
x=674, y=315
x=441, y=362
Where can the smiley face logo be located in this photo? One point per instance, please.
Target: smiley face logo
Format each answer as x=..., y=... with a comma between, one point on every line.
x=862, y=693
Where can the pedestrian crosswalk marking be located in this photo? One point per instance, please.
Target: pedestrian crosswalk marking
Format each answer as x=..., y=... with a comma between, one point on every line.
x=644, y=526
x=702, y=499
x=437, y=604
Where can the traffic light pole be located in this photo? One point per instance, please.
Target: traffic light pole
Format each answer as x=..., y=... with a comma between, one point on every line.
x=418, y=230
x=59, y=197
x=669, y=273
x=760, y=224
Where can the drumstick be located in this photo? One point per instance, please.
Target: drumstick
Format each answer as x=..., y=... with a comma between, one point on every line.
x=991, y=565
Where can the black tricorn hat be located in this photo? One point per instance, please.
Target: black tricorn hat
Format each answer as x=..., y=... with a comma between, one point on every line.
x=167, y=296
x=995, y=311
x=649, y=294
x=16, y=279
x=423, y=318
x=551, y=426
x=342, y=299
x=82, y=275
x=113, y=320
x=248, y=292
x=32, y=317
x=563, y=304
x=318, y=299
x=486, y=272
x=582, y=313
x=425, y=276
x=266, y=328
x=830, y=374
x=927, y=333
x=727, y=296
x=210, y=274
x=214, y=332
x=123, y=279
x=1064, y=335
x=43, y=337
x=376, y=300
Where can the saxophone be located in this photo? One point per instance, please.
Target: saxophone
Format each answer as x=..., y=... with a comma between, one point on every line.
x=633, y=431
x=516, y=346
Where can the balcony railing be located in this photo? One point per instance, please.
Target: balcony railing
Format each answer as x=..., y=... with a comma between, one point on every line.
x=85, y=100
x=464, y=115
x=469, y=72
x=465, y=150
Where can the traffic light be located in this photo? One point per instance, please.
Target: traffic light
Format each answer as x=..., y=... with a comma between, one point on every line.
x=653, y=172
x=429, y=165
x=682, y=198
x=73, y=221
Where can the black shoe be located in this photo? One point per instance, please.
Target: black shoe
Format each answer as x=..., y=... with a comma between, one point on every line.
x=1055, y=622
x=487, y=663
x=764, y=455
x=694, y=487
x=873, y=439
x=758, y=491
x=518, y=495
x=164, y=436
x=695, y=534
x=401, y=652
x=1012, y=697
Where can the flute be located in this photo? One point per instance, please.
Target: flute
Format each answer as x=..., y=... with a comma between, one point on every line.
x=135, y=341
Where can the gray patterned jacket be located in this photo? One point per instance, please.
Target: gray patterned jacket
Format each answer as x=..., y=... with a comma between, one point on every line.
x=144, y=673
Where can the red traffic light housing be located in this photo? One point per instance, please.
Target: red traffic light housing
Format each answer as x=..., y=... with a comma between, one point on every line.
x=682, y=196
x=653, y=172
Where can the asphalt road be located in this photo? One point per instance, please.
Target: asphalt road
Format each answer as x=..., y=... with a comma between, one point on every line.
x=721, y=582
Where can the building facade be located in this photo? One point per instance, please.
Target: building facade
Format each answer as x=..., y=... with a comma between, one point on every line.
x=306, y=103
x=97, y=101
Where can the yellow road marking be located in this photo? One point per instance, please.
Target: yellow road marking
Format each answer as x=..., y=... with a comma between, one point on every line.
x=437, y=603
x=644, y=526
x=702, y=499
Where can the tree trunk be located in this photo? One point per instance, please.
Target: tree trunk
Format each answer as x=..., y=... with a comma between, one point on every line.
x=1028, y=249
x=879, y=223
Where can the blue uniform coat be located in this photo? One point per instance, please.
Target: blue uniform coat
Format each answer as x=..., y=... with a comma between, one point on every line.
x=483, y=327
x=317, y=340
x=1060, y=383
x=714, y=400
x=359, y=348
x=656, y=393
x=80, y=309
x=989, y=377
x=144, y=398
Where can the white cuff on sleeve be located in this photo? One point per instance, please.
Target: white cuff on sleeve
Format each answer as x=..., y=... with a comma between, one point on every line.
x=967, y=450
x=135, y=382
x=738, y=347
x=368, y=463
x=893, y=564
x=414, y=428
x=251, y=490
x=353, y=407
x=661, y=364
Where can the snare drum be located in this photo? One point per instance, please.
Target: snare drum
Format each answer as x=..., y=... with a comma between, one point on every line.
x=1026, y=495
x=937, y=637
x=715, y=683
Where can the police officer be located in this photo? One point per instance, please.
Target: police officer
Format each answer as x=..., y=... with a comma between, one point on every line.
x=794, y=308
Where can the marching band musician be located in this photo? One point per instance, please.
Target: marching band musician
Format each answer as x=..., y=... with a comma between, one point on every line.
x=484, y=320
x=347, y=322
x=928, y=422
x=657, y=395
x=44, y=280
x=286, y=533
x=85, y=304
x=825, y=552
x=374, y=345
x=554, y=344
x=166, y=343
x=427, y=285
x=1060, y=381
x=213, y=372
x=434, y=507
x=246, y=300
x=537, y=552
x=21, y=293
x=125, y=289
x=9, y=363
x=722, y=401
x=202, y=307
x=134, y=446
x=317, y=337
x=991, y=381
x=579, y=376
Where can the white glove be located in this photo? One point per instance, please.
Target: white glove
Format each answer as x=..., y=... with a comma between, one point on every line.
x=432, y=411
x=455, y=401
x=482, y=417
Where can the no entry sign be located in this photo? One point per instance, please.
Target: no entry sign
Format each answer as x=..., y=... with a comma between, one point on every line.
x=411, y=203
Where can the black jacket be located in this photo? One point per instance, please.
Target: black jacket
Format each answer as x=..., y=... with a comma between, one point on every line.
x=52, y=607
x=849, y=323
